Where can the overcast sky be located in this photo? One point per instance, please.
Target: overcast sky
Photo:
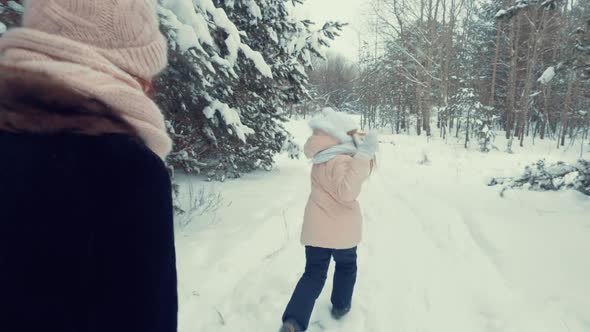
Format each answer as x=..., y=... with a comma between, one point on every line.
x=349, y=11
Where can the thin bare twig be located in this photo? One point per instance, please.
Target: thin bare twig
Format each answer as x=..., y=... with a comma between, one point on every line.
x=287, y=239
x=221, y=319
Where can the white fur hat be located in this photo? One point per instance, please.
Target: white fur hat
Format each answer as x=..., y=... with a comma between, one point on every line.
x=336, y=124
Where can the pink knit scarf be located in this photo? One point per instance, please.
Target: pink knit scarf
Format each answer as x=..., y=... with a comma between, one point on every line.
x=82, y=68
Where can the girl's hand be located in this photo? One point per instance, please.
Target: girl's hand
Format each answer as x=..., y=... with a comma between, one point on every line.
x=368, y=147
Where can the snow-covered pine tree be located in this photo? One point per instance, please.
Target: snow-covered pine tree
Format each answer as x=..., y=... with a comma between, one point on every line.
x=520, y=5
x=581, y=59
x=485, y=45
x=10, y=13
x=234, y=67
x=485, y=120
x=485, y=104
x=475, y=119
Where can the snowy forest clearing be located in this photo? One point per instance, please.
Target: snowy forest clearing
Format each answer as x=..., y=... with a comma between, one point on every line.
x=441, y=250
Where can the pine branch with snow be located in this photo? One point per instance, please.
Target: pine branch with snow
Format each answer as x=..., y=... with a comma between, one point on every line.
x=10, y=14
x=542, y=177
x=234, y=67
x=520, y=5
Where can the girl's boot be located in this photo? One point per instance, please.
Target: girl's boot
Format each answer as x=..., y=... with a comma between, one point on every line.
x=290, y=326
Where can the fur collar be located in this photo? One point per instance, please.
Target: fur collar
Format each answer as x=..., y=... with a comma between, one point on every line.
x=36, y=103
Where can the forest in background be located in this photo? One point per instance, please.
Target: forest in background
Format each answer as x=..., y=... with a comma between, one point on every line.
x=471, y=69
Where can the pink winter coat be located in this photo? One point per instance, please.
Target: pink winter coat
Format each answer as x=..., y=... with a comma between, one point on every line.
x=333, y=216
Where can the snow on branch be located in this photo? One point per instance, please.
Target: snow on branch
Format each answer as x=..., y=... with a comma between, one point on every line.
x=509, y=12
x=17, y=7
x=230, y=116
x=542, y=177
x=234, y=41
x=193, y=28
x=188, y=33
x=305, y=42
x=547, y=76
x=189, y=20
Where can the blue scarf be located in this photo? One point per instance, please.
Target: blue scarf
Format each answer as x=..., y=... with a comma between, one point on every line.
x=333, y=152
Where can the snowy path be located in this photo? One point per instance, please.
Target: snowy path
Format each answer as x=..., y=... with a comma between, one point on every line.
x=441, y=251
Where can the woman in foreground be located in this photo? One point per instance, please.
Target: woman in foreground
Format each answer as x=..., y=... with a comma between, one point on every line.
x=86, y=233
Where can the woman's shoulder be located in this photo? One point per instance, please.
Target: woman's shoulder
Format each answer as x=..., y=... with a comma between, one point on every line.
x=126, y=154
x=338, y=164
x=344, y=160
x=343, y=163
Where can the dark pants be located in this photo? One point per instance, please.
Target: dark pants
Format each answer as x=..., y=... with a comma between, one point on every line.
x=311, y=283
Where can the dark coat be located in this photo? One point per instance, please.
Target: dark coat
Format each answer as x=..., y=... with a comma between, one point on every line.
x=86, y=231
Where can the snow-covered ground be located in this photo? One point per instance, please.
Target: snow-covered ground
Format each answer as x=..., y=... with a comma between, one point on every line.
x=441, y=251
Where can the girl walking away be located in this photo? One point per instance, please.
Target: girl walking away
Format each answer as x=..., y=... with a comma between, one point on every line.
x=332, y=226
x=86, y=232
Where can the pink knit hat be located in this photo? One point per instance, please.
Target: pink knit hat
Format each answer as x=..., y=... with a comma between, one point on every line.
x=126, y=32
